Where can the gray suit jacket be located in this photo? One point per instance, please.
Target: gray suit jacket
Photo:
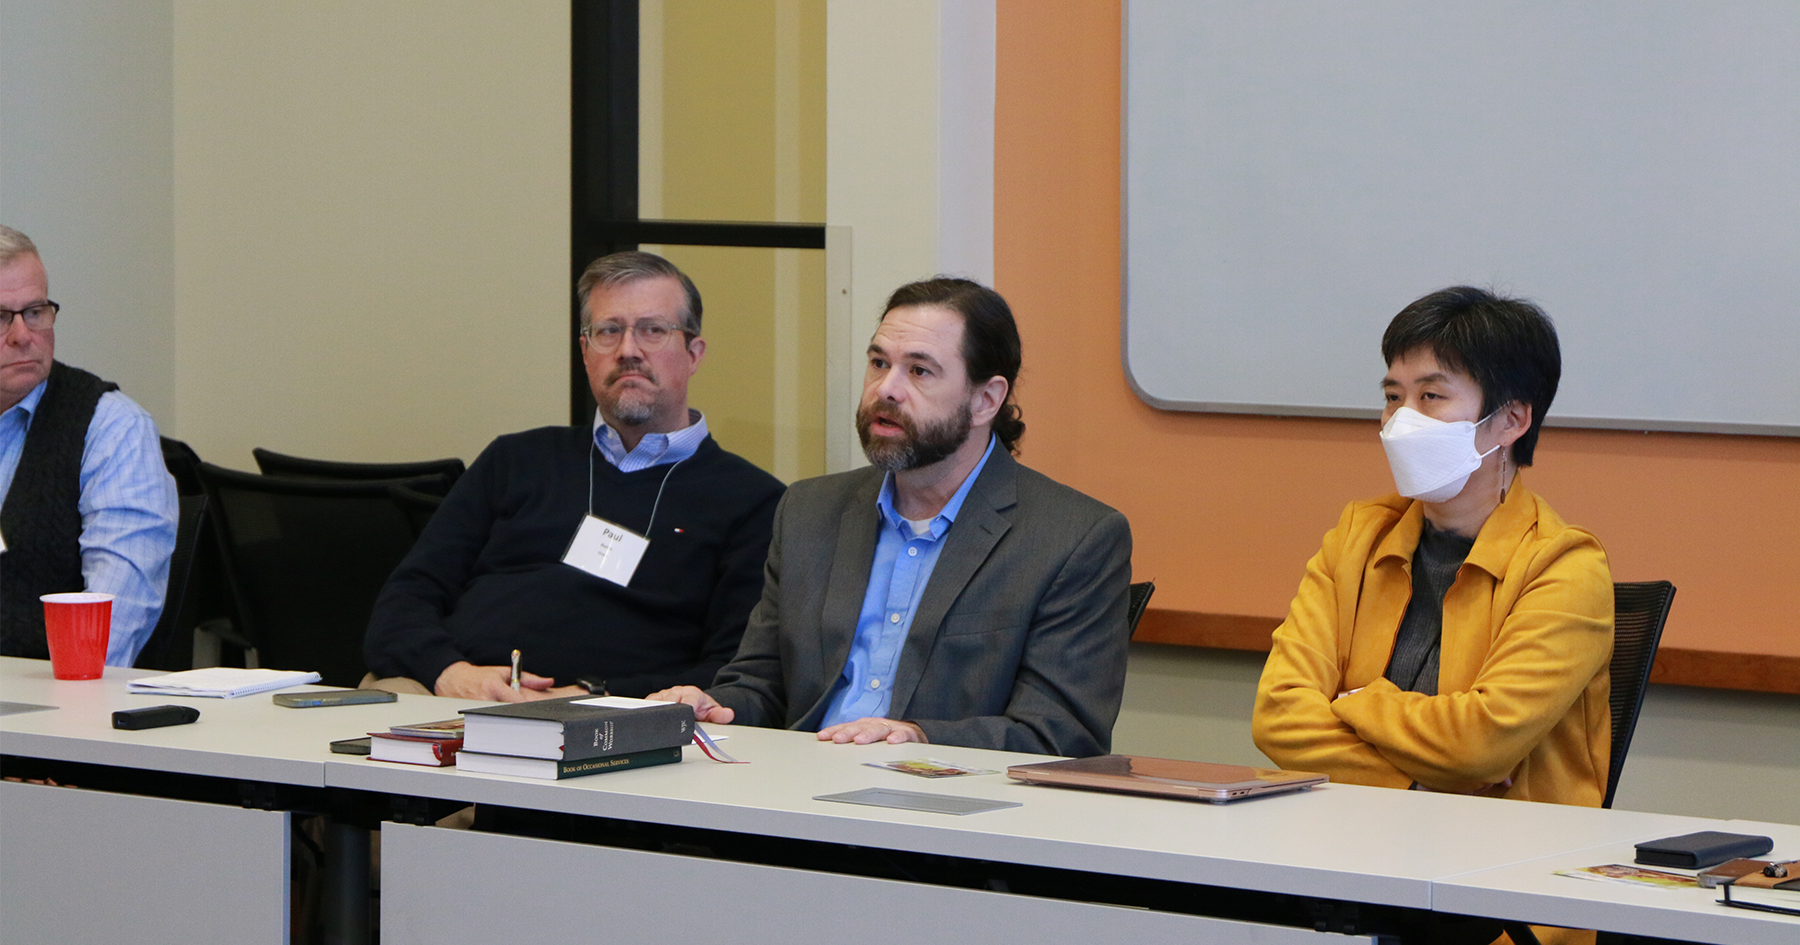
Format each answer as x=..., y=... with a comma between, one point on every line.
x=1019, y=642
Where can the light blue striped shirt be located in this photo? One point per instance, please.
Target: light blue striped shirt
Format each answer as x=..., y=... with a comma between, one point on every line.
x=904, y=560
x=128, y=511
x=655, y=449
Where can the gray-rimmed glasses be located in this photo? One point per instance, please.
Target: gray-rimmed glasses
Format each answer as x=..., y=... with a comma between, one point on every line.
x=651, y=334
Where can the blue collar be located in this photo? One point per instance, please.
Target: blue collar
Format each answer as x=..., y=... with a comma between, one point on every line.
x=30, y=403
x=655, y=449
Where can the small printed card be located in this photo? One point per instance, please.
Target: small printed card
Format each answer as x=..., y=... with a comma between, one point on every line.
x=928, y=768
x=1632, y=876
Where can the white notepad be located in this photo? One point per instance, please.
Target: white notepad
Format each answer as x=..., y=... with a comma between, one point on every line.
x=220, y=682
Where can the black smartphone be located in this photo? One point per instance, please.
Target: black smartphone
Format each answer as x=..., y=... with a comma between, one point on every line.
x=351, y=746
x=154, y=716
x=314, y=700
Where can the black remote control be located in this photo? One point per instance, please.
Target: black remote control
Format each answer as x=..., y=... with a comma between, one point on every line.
x=155, y=716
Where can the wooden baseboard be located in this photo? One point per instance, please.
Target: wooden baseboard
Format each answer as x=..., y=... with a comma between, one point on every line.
x=1674, y=666
x=1214, y=631
x=1714, y=670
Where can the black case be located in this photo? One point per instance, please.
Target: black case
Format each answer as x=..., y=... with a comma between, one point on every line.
x=1694, y=851
x=155, y=716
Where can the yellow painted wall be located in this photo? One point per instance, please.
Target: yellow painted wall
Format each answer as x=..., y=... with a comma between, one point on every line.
x=735, y=118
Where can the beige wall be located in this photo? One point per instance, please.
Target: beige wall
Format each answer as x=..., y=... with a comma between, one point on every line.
x=86, y=152
x=909, y=170
x=371, y=225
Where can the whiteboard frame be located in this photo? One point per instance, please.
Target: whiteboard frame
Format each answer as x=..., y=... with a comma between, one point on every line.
x=1642, y=424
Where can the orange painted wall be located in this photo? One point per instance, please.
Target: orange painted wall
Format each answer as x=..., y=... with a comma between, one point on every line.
x=1226, y=509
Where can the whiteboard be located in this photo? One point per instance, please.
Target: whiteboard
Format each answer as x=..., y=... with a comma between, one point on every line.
x=1297, y=171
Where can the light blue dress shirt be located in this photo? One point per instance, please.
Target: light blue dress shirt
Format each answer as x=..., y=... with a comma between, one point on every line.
x=904, y=560
x=654, y=449
x=128, y=511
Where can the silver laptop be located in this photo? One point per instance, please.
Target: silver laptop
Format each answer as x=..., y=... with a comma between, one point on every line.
x=1195, y=780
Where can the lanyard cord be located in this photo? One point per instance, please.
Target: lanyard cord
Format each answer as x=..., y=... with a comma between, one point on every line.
x=592, y=449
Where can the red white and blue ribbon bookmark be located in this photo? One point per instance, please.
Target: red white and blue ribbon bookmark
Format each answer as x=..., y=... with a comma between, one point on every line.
x=712, y=749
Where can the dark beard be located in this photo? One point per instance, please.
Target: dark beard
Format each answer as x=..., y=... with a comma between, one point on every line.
x=918, y=446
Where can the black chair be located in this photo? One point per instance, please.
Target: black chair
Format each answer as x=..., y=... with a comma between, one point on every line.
x=417, y=506
x=305, y=559
x=171, y=644
x=1640, y=609
x=183, y=463
x=1137, y=603
x=206, y=603
x=277, y=464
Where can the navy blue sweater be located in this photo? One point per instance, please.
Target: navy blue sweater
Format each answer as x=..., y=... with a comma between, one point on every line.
x=487, y=574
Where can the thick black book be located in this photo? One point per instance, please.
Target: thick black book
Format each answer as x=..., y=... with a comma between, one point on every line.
x=1699, y=850
x=559, y=770
x=566, y=730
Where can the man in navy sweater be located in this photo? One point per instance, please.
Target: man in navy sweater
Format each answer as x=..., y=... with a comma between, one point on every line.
x=621, y=558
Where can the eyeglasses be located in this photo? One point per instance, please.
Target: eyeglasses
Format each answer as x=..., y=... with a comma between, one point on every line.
x=651, y=334
x=42, y=316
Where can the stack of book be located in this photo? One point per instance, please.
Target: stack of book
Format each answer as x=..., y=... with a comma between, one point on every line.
x=568, y=738
x=425, y=743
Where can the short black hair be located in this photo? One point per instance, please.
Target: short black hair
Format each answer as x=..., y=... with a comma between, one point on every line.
x=990, y=342
x=1507, y=345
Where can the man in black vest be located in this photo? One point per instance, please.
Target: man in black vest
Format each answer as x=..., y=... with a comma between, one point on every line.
x=620, y=556
x=85, y=501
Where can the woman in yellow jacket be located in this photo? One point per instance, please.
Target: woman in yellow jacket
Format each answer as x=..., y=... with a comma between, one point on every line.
x=1453, y=637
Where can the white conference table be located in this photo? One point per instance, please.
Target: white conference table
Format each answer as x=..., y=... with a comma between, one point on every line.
x=151, y=858
x=1531, y=891
x=1337, y=842
x=249, y=738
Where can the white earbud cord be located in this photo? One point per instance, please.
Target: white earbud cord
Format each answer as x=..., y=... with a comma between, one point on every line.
x=592, y=449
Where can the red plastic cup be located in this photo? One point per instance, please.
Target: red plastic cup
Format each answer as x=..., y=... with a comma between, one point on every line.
x=77, y=627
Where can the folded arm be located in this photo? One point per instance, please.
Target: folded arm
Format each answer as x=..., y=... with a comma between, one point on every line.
x=1293, y=722
x=1553, y=640
x=1557, y=636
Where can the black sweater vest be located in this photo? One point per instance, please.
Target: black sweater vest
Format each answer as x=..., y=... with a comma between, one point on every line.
x=41, y=520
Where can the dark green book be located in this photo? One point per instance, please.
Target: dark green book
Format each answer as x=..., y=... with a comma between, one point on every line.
x=576, y=727
x=558, y=770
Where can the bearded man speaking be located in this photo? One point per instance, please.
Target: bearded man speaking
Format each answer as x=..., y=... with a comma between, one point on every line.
x=946, y=593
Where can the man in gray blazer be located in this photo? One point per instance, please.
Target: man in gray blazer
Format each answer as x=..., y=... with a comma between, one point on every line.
x=945, y=594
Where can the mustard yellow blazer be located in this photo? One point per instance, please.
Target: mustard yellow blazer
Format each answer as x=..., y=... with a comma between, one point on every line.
x=1521, y=710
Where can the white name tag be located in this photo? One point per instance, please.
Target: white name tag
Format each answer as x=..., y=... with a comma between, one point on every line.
x=605, y=550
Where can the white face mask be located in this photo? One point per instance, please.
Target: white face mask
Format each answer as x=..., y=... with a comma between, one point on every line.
x=1432, y=460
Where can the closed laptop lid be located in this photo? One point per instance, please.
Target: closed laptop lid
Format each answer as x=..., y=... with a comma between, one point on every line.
x=1133, y=774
